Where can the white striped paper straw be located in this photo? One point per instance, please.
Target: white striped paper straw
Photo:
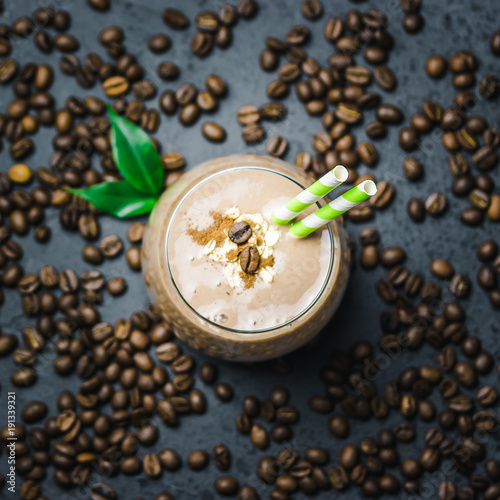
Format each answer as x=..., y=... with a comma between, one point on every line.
x=334, y=209
x=311, y=195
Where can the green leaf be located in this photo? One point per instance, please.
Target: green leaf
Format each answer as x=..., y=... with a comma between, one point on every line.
x=117, y=198
x=135, y=155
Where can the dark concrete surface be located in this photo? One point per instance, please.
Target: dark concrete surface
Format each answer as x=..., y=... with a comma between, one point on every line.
x=449, y=26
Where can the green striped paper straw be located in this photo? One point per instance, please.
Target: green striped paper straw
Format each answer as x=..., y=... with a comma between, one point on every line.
x=310, y=195
x=334, y=209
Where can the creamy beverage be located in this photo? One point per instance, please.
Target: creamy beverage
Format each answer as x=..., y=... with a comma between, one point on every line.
x=226, y=278
x=204, y=261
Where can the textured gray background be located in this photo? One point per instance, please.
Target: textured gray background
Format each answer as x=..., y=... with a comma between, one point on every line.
x=449, y=26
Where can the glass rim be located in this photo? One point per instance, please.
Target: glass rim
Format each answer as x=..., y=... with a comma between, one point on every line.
x=218, y=325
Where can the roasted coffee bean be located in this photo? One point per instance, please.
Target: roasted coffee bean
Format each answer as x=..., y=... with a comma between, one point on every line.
x=66, y=43
x=358, y=75
x=416, y=209
x=436, y=66
x=21, y=148
x=321, y=141
x=487, y=277
x=495, y=43
x=69, y=64
x=338, y=477
x=472, y=216
x=369, y=236
x=367, y=153
x=213, y=132
x=348, y=456
x=226, y=485
x=460, y=285
x=277, y=146
x=298, y=35
x=315, y=107
x=175, y=19
x=224, y=391
x=479, y=199
x=159, y=43
x=303, y=91
x=392, y=256
x=289, y=72
x=408, y=138
x=8, y=69
x=170, y=161
x=198, y=460
x=347, y=113
x=253, y=133
x=436, y=204
x=421, y=123
x=22, y=27
x=208, y=373
x=442, y=269
x=385, y=78
x=133, y=256
x=207, y=21
x=369, y=257
x=487, y=250
x=168, y=103
x=23, y=377
x=259, y=437
x=492, y=469
x=268, y=467
x=383, y=196
x=247, y=492
x=250, y=260
x=269, y=60
x=228, y=15
x=458, y=164
x=167, y=71
x=277, y=89
x=130, y=466
x=375, y=55
x=404, y=432
x=29, y=490
x=247, y=8
x=333, y=29
x=493, y=212
x=243, y=424
x=248, y=115
x=144, y=90
x=206, y=101
x=111, y=246
x=413, y=23
x=61, y=20
x=221, y=456
x=34, y=411
x=240, y=232
x=169, y=459
x=18, y=222
x=151, y=465
x=487, y=396
x=375, y=129
x=202, y=43
x=273, y=111
x=485, y=158
x=488, y=86
x=115, y=86
x=311, y=9
x=189, y=115
x=111, y=34
x=116, y=286
x=388, y=113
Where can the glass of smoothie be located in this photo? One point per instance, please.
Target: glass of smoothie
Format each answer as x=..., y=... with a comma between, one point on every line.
x=225, y=278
